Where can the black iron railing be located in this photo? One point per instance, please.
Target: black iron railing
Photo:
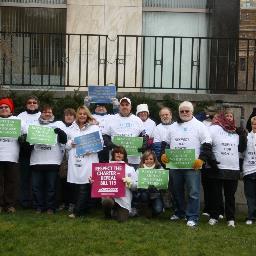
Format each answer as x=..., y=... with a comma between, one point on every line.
x=41, y=60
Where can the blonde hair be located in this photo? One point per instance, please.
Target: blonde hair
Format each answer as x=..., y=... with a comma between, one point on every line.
x=90, y=118
x=253, y=119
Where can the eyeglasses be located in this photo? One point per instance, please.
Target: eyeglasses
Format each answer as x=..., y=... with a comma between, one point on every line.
x=4, y=107
x=31, y=102
x=184, y=111
x=47, y=112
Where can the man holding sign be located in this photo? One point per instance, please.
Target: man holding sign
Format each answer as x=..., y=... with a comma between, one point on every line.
x=125, y=124
x=191, y=137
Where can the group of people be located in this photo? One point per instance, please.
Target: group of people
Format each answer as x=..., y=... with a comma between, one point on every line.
x=223, y=153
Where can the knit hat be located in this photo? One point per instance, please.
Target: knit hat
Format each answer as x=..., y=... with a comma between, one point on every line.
x=8, y=102
x=142, y=108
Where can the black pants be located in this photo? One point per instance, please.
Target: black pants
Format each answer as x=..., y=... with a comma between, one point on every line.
x=83, y=203
x=207, y=191
x=229, y=187
x=9, y=180
x=250, y=193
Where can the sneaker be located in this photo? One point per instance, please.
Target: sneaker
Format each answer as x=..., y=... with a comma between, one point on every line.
x=72, y=216
x=212, y=222
x=11, y=210
x=191, y=223
x=71, y=207
x=133, y=212
x=174, y=217
x=61, y=207
x=248, y=222
x=231, y=223
x=206, y=214
x=221, y=217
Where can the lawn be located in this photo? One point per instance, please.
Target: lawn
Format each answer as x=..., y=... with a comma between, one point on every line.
x=27, y=233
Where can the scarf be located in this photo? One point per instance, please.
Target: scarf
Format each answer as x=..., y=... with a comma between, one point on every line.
x=100, y=114
x=43, y=121
x=32, y=111
x=151, y=167
x=228, y=126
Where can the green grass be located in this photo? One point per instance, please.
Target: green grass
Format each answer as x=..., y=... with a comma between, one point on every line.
x=26, y=233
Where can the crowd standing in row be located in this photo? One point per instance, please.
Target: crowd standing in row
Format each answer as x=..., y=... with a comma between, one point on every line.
x=216, y=141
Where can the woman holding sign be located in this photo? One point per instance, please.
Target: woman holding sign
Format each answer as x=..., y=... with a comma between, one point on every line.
x=10, y=130
x=84, y=141
x=121, y=207
x=47, y=136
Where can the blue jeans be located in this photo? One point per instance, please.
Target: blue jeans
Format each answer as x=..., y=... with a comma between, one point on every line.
x=44, y=181
x=155, y=203
x=191, y=180
x=250, y=193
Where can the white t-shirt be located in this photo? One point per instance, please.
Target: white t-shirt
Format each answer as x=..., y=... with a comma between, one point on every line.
x=131, y=126
x=149, y=126
x=249, y=164
x=102, y=121
x=225, y=147
x=161, y=132
x=29, y=118
x=9, y=147
x=125, y=202
x=188, y=135
x=45, y=154
x=80, y=167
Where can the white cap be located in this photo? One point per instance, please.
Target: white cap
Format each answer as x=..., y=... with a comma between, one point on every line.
x=142, y=108
x=125, y=98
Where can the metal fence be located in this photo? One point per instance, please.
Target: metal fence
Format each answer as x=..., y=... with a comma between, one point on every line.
x=69, y=61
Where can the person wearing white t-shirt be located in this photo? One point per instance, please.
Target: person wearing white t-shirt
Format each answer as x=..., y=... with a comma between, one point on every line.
x=125, y=124
x=29, y=116
x=80, y=166
x=249, y=173
x=9, y=157
x=45, y=161
x=227, y=142
x=188, y=133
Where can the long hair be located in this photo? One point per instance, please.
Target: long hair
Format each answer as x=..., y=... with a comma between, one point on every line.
x=146, y=154
x=119, y=149
x=88, y=113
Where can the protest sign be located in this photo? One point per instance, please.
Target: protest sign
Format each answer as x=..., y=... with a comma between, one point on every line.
x=38, y=134
x=159, y=178
x=107, y=180
x=180, y=158
x=10, y=128
x=131, y=144
x=88, y=143
x=101, y=94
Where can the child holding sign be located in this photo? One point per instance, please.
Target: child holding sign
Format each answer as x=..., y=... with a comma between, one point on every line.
x=150, y=200
x=121, y=206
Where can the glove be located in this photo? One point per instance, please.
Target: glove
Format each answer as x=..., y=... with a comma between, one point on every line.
x=22, y=139
x=198, y=163
x=214, y=164
x=164, y=159
x=87, y=101
x=144, y=145
x=115, y=102
x=62, y=136
x=127, y=181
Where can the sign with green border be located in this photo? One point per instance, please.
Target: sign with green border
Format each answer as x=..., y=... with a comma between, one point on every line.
x=38, y=134
x=10, y=128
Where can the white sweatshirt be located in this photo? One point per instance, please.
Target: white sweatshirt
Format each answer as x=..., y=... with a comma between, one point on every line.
x=225, y=147
x=80, y=167
x=149, y=126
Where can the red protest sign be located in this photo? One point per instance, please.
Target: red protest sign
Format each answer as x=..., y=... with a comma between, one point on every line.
x=107, y=180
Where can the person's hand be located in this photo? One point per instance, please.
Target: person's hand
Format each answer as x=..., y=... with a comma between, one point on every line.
x=73, y=144
x=87, y=101
x=91, y=180
x=164, y=159
x=198, y=164
x=127, y=181
x=115, y=101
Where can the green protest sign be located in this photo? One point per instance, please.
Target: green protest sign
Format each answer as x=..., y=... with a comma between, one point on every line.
x=157, y=178
x=131, y=144
x=10, y=128
x=180, y=158
x=38, y=134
